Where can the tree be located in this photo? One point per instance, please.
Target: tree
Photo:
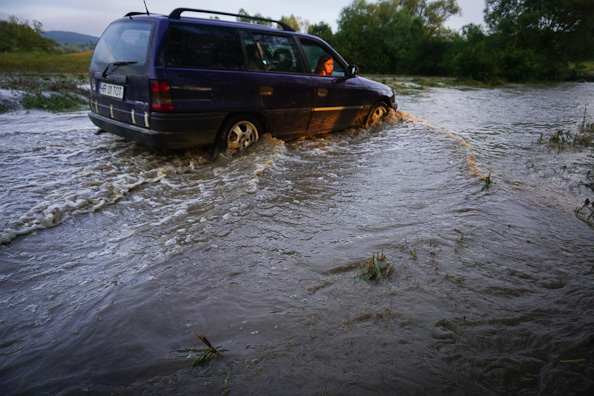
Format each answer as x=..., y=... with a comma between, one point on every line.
x=475, y=59
x=380, y=37
x=560, y=28
x=323, y=31
x=433, y=14
x=18, y=36
x=250, y=20
x=297, y=23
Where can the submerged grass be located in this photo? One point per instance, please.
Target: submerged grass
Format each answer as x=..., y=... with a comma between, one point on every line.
x=203, y=355
x=487, y=180
x=584, y=136
x=587, y=205
x=375, y=268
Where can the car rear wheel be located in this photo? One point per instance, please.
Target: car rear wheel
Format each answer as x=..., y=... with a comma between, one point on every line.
x=377, y=114
x=238, y=133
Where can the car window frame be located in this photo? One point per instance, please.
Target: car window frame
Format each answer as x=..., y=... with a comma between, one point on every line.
x=297, y=50
x=335, y=56
x=207, y=25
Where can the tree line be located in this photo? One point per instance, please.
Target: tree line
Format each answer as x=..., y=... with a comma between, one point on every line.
x=521, y=41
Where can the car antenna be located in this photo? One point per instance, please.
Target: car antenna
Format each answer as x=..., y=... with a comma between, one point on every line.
x=146, y=8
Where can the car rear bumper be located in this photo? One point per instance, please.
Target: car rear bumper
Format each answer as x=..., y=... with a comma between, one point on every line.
x=195, y=131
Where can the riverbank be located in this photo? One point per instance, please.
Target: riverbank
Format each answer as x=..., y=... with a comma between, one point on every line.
x=47, y=91
x=42, y=81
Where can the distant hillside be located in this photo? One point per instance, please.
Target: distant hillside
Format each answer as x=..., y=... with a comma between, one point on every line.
x=68, y=38
x=72, y=42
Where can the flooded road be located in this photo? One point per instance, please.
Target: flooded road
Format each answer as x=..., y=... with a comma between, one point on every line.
x=113, y=257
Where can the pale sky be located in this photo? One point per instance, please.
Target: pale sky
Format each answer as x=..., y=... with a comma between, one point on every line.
x=92, y=17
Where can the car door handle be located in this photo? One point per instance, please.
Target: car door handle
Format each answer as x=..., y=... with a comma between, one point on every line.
x=265, y=90
x=322, y=92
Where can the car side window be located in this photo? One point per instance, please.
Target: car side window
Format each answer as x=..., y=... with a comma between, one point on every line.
x=272, y=53
x=205, y=47
x=317, y=55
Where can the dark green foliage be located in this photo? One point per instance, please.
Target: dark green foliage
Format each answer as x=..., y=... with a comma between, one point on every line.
x=18, y=36
x=323, y=31
x=474, y=56
x=379, y=37
x=536, y=39
x=526, y=40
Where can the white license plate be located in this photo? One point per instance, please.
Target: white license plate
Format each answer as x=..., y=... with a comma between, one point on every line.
x=116, y=91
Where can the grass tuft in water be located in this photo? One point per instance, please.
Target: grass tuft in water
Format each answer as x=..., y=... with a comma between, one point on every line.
x=487, y=180
x=584, y=137
x=374, y=269
x=587, y=205
x=203, y=355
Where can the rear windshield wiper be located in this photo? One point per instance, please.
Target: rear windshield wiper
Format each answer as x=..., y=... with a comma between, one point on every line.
x=123, y=63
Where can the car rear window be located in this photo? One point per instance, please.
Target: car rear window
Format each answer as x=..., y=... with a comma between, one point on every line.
x=123, y=42
x=205, y=47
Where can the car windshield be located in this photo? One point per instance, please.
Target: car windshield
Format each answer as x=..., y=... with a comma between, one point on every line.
x=125, y=43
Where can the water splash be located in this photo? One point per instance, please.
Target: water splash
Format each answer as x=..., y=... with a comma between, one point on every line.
x=402, y=116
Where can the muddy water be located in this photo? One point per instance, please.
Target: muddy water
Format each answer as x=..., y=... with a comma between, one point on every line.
x=114, y=257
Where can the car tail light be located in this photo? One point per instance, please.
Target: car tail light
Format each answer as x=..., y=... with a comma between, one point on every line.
x=160, y=95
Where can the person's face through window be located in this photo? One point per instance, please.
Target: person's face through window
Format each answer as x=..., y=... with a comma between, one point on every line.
x=328, y=67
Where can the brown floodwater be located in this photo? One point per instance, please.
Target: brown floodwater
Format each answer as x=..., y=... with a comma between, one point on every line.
x=113, y=256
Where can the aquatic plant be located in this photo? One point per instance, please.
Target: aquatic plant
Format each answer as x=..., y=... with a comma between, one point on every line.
x=203, y=355
x=586, y=127
x=376, y=268
x=487, y=180
x=587, y=204
x=583, y=137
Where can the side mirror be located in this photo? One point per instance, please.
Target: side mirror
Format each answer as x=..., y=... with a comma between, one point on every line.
x=353, y=70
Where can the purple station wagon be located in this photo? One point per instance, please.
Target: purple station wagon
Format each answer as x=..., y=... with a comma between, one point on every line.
x=181, y=82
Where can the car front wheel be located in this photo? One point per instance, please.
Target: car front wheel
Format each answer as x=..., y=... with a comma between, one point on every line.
x=377, y=114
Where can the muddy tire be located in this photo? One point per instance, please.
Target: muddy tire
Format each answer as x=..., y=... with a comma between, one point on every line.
x=378, y=113
x=238, y=133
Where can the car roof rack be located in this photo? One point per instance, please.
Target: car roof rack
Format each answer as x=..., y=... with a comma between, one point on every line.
x=176, y=14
